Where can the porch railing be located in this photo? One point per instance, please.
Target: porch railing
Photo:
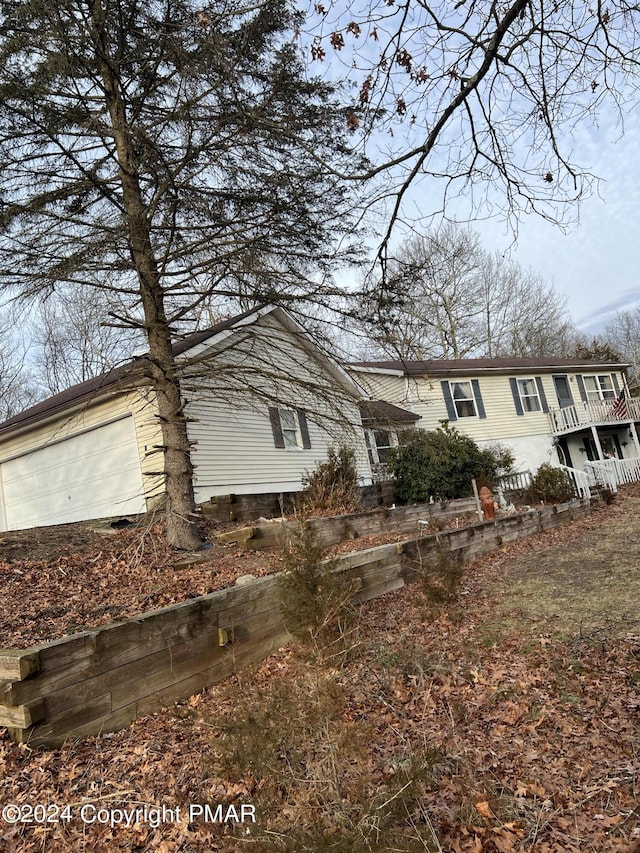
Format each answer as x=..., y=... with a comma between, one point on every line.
x=593, y=412
x=583, y=481
x=613, y=472
x=604, y=473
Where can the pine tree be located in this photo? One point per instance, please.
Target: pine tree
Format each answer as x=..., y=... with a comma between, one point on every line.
x=167, y=151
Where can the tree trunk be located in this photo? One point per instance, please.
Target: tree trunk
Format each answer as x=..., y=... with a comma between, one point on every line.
x=182, y=530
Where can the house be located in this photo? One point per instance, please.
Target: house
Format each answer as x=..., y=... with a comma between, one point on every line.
x=559, y=411
x=263, y=402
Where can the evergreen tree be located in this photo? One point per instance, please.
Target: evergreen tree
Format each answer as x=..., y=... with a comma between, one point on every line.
x=166, y=151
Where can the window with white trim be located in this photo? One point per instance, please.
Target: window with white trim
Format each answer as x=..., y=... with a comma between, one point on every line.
x=379, y=445
x=599, y=388
x=290, y=428
x=463, y=399
x=529, y=397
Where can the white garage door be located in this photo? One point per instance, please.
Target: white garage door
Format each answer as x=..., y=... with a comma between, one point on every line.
x=92, y=475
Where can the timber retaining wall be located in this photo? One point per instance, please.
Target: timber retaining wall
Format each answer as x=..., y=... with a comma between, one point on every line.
x=274, y=504
x=101, y=679
x=418, y=518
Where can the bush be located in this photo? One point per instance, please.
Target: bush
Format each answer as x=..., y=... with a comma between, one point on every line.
x=333, y=484
x=443, y=463
x=551, y=485
x=315, y=600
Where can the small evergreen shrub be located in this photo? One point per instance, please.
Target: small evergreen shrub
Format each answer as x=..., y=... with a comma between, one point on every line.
x=315, y=601
x=551, y=485
x=443, y=463
x=333, y=484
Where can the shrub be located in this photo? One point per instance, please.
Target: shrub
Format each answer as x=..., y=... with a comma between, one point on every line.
x=551, y=485
x=443, y=463
x=333, y=484
x=315, y=600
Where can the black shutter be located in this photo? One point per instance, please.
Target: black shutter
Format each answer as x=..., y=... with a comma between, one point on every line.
x=304, y=429
x=614, y=379
x=581, y=388
x=451, y=409
x=476, y=393
x=516, y=396
x=541, y=394
x=276, y=426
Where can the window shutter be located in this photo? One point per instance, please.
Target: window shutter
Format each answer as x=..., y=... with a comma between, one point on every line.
x=476, y=393
x=516, y=396
x=451, y=409
x=276, y=426
x=541, y=394
x=304, y=429
x=616, y=386
x=581, y=388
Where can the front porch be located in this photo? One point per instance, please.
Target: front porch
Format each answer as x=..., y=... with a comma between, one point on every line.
x=597, y=430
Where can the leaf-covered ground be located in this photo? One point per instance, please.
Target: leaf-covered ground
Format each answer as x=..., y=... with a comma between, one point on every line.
x=60, y=580
x=507, y=719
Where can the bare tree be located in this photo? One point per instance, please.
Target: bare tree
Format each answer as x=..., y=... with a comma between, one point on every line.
x=447, y=297
x=17, y=386
x=74, y=337
x=162, y=149
x=622, y=334
x=480, y=97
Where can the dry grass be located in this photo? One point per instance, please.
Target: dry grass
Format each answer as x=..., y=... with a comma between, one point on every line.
x=577, y=588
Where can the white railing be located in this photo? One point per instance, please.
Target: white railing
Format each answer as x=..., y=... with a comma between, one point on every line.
x=627, y=470
x=604, y=472
x=582, y=480
x=598, y=412
x=613, y=472
x=518, y=481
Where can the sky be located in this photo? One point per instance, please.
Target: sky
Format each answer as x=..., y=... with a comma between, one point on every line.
x=594, y=260
x=596, y=263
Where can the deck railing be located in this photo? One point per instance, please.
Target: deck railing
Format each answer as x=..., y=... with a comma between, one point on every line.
x=592, y=412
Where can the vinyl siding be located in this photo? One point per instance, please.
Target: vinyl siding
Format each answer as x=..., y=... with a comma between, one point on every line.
x=424, y=396
x=228, y=411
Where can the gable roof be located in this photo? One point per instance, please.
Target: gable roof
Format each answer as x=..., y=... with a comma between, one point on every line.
x=135, y=372
x=468, y=366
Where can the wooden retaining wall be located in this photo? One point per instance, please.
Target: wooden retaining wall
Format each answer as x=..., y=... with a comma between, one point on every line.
x=269, y=536
x=102, y=679
x=274, y=504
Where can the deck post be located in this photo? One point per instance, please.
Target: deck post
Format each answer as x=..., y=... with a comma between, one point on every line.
x=634, y=436
x=596, y=439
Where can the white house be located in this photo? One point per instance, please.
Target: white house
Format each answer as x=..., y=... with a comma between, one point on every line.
x=263, y=404
x=559, y=411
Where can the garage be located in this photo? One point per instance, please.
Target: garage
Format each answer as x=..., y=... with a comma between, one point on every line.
x=93, y=474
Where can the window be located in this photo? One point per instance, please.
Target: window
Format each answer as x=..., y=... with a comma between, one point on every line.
x=528, y=395
x=463, y=400
x=599, y=388
x=379, y=444
x=290, y=428
x=529, y=399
